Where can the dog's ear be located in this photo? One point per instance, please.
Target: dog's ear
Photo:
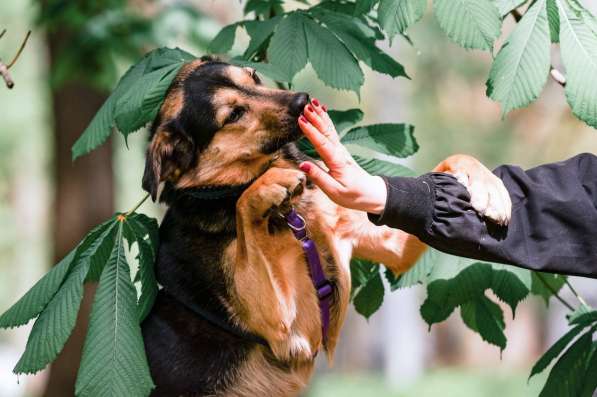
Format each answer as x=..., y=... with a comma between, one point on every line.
x=169, y=153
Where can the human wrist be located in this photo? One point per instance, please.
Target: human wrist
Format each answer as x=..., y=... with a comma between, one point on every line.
x=378, y=195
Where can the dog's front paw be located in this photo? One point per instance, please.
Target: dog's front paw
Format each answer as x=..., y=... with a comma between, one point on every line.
x=295, y=349
x=489, y=196
x=272, y=192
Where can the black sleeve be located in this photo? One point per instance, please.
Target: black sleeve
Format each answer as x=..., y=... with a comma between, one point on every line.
x=553, y=226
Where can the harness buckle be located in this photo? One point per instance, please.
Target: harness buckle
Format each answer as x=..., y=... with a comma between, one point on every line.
x=325, y=290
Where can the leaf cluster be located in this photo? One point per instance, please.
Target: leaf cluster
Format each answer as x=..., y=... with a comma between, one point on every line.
x=113, y=361
x=573, y=374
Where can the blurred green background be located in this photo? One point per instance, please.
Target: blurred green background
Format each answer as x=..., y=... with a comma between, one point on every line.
x=43, y=213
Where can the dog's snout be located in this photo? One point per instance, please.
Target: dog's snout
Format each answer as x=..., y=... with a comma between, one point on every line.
x=298, y=103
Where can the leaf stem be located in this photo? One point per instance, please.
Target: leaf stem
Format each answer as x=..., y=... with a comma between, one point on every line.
x=136, y=207
x=580, y=298
x=14, y=60
x=554, y=292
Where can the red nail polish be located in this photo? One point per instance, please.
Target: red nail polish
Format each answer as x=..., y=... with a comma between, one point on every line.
x=310, y=108
x=315, y=102
x=325, y=108
x=302, y=118
x=305, y=167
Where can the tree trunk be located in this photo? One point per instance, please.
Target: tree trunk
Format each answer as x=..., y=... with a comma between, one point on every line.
x=83, y=198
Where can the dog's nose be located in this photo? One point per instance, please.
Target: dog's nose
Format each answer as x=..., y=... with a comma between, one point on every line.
x=298, y=103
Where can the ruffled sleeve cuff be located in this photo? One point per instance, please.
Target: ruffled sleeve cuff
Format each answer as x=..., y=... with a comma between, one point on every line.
x=414, y=204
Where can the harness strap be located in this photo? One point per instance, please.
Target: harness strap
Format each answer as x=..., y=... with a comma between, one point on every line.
x=322, y=284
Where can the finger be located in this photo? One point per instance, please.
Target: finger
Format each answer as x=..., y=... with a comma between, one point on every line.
x=322, y=179
x=326, y=148
x=316, y=120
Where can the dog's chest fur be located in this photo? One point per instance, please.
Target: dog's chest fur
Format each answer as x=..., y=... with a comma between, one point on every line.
x=188, y=355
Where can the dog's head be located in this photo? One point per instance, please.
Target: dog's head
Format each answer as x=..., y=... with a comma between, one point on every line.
x=218, y=125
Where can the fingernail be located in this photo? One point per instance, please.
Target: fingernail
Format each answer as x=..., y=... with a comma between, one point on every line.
x=309, y=108
x=315, y=102
x=305, y=167
x=325, y=108
x=302, y=118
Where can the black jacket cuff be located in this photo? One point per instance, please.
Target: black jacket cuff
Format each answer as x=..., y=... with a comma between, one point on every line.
x=409, y=205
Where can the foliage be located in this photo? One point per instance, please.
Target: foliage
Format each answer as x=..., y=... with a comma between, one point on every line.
x=337, y=38
x=114, y=324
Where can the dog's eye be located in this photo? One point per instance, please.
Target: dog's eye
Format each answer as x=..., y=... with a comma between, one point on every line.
x=236, y=114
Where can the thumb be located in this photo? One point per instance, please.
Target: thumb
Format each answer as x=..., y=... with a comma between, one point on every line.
x=322, y=179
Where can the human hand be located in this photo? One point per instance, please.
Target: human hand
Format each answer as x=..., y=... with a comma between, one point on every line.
x=344, y=181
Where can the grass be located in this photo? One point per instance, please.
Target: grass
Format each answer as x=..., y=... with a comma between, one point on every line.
x=442, y=382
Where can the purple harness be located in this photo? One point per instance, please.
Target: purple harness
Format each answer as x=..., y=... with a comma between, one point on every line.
x=323, y=286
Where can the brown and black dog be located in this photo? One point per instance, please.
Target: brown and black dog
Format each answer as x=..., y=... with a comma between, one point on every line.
x=233, y=257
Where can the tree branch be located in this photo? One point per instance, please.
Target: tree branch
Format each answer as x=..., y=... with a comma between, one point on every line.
x=4, y=67
x=554, y=292
x=554, y=73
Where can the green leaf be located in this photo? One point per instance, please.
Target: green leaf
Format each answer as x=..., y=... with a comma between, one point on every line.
x=509, y=288
x=469, y=23
x=224, y=40
x=287, y=50
x=416, y=275
x=553, y=17
x=590, y=380
x=395, y=16
x=381, y=167
x=101, y=126
x=263, y=8
x=467, y=291
x=141, y=103
x=333, y=62
x=346, y=28
x=555, y=350
x=369, y=297
x=344, y=119
x=506, y=6
x=364, y=6
x=566, y=377
x=546, y=284
x=361, y=272
x=578, y=45
x=583, y=316
x=486, y=318
x=259, y=32
x=145, y=274
x=36, y=299
x=391, y=139
x=267, y=69
x=56, y=322
x=114, y=361
x=522, y=65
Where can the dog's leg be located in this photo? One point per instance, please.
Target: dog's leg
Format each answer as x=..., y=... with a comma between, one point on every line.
x=265, y=268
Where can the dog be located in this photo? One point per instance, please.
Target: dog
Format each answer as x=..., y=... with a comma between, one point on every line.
x=238, y=314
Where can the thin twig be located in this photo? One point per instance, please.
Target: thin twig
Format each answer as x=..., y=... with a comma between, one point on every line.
x=580, y=298
x=555, y=74
x=554, y=292
x=14, y=60
x=4, y=67
x=136, y=207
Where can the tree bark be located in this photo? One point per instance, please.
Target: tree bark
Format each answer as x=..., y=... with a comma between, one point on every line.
x=83, y=198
